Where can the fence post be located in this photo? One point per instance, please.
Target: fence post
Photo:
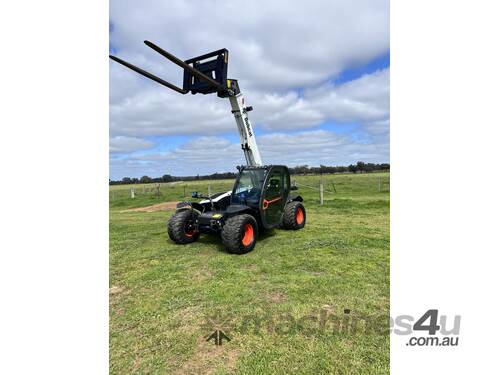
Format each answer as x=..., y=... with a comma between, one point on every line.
x=158, y=191
x=209, y=190
x=321, y=192
x=379, y=184
x=132, y=193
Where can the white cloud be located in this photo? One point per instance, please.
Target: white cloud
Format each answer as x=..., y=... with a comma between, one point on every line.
x=275, y=48
x=365, y=99
x=205, y=155
x=126, y=144
x=362, y=100
x=149, y=113
x=272, y=44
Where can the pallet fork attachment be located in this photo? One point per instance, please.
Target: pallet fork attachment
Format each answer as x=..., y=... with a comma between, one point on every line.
x=185, y=66
x=194, y=79
x=149, y=75
x=207, y=74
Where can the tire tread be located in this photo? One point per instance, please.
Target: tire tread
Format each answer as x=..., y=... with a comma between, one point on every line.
x=289, y=216
x=231, y=233
x=176, y=225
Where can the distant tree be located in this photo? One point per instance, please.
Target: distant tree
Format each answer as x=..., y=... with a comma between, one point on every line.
x=324, y=169
x=166, y=178
x=370, y=167
x=360, y=166
x=298, y=170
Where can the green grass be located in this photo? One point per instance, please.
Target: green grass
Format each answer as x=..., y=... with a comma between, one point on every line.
x=162, y=294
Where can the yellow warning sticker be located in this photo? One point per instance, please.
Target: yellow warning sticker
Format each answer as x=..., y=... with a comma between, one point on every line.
x=216, y=216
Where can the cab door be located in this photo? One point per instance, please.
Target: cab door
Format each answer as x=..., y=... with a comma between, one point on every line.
x=275, y=192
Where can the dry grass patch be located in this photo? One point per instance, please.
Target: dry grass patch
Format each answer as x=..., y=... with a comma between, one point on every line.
x=276, y=297
x=208, y=357
x=165, y=206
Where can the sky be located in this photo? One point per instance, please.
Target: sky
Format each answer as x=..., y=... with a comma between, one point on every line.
x=315, y=72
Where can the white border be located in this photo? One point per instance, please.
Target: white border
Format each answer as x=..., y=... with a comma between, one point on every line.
x=54, y=152
x=54, y=142
x=444, y=185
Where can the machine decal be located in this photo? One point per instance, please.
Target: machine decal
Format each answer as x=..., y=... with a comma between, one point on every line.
x=265, y=203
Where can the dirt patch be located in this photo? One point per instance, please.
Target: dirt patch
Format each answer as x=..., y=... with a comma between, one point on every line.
x=116, y=293
x=114, y=290
x=137, y=363
x=208, y=357
x=276, y=297
x=187, y=320
x=251, y=267
x=329, y=309
x=202, y=275
x=165, y=206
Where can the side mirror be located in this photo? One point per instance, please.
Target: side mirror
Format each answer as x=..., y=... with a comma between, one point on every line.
x=194, y=194
x=294, y=187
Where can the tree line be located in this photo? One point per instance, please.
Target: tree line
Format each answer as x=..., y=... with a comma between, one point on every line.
x=359, y=167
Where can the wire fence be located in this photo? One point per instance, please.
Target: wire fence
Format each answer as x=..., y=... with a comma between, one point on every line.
x=380, y=184
x=173, y=190
x=322, y=187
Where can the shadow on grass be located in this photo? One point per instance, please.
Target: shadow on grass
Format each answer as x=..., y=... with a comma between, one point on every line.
x=215, y=240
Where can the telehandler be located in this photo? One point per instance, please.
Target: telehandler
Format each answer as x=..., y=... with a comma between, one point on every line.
x=261, y=197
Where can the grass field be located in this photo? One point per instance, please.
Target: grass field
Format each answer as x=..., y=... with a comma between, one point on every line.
x=291, y=306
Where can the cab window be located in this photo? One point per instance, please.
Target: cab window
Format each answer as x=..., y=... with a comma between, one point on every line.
x=248, y=187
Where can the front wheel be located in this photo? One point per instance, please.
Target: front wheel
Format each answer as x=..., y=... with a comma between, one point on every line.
x=182, y=227
x=294, y=216
x=240, y=233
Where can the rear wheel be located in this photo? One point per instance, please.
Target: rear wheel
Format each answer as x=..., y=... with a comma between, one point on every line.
x=294, y=216
x=240, y=233
x=182, y=227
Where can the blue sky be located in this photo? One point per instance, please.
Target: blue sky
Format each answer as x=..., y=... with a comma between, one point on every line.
x=317, y=77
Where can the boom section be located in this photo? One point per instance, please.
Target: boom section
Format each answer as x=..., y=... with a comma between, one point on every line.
x=247, y=135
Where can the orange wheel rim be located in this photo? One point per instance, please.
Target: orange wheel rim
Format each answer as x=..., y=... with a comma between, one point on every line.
x=299, y=216
x=188, y=230
x=247, y=235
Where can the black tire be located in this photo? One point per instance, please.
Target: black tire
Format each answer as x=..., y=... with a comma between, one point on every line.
x=237, y=236
x=181, y=228
x=294, y=216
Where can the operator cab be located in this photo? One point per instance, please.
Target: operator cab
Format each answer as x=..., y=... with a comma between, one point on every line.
x=248, y=186
x=264, y=190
